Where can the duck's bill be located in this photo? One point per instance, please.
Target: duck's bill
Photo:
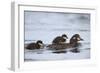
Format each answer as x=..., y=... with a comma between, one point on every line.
x=65, y=37
x=81, y=39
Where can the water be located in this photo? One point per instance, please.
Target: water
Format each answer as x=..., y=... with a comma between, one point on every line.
x=46, y=26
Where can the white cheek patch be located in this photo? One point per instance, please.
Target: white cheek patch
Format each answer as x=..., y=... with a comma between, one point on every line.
x=40, y=44
x=64, y=37
x=78, y=39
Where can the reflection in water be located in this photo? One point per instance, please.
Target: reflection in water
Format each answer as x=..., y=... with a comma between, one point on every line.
x=82, y=51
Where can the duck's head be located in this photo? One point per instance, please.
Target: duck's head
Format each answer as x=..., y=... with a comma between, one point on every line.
x=39, y=42
x=75, y=38
x=64, y=36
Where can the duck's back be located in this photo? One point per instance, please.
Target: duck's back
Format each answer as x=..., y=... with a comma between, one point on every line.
x=32, y=46
x=58, y=40
x=60, y=46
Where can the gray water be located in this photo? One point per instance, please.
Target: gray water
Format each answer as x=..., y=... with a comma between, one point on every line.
x=46, y=26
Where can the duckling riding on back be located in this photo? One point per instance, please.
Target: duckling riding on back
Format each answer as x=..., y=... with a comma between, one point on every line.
x=60, y=39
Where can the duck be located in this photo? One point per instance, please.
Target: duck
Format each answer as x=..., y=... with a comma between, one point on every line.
x=73, y=43
x=60, y=39
x=38, y=45
x=75, y=40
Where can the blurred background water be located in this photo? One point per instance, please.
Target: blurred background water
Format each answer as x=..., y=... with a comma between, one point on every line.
x=46, y=26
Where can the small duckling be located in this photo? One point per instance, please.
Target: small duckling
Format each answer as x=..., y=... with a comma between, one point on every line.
x=37, y=45
x=60, y=39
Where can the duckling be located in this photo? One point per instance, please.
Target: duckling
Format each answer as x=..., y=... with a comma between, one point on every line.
x=73, y=43
x=37, y=45
x=60, y=39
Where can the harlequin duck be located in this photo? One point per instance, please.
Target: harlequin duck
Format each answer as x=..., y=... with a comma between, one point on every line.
x=60, y=39
x=74, y=40
x=72, y=44
x=37, y=45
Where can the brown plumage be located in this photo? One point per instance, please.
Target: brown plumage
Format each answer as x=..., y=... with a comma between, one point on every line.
x=73, y=43
x=37, y=45
x=75, y=38
x=60, y=39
